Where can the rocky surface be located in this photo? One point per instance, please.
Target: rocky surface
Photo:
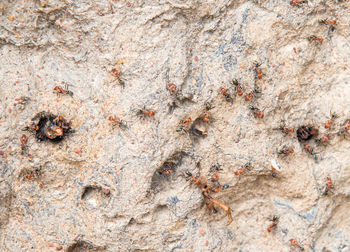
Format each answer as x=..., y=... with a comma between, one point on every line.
x=111, y=188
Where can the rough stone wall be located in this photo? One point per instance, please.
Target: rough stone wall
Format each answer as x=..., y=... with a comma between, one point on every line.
x=100, y=187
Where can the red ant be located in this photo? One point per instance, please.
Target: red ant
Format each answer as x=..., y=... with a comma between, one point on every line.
x=329, y=185
x=308, y=148
x=258, y=70
x=330, y=121
x=225, y=93
x=249, y=96
x=273, y=224
x=184, y=124
x=117, y=75
x=23, y=100
x=172, y=88
x=296, y=244
x=286, y=151
x=327, y=22
x=345, y=129
x=117, y=121
x=323, y=139
x=149, y=113
x=297, y=2
x=23, y=140
x=206, y=117
x=33, y=174
x=60, y=90
x=243, y=169
x=257, y=112
x=314, y=38
x=238, y=87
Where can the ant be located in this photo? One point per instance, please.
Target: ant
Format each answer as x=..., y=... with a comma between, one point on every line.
x=258, y=70
x=23, y=140
x=33, y=174
x=286, y=151
x=308, y=149
x=60, y=90
x=297, y=2
x=216, y=174
x=257, y=113
x=314, y=38
x=23, y=100
x=249, y=96
x=327, y=22
x=117, y=121
x=206, y=189
x=184, y=124
x=296, y=244
x=206, y=117
x=238, y=87
x=172, y=88
x=345, y=129
x=273, y=224
x=145, y=112
x=286, y=130
x=329, y=185
x=247, y=166
x=225, y=93
x=330, y=121
x=117, y=75
x=165, y=172
x=323, y=139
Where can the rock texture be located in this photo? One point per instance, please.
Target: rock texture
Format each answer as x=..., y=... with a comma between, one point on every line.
x=111, y=188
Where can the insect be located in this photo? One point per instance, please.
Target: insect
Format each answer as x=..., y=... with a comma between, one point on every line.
x=149, y=113
x=327, y=22
x=305, y=133
x=35, y=173
x=285, y=130
x=206, y=190
x=206, y=117
x=297, y=2
x=165, y=172
x=258, y=70
x=329, y=185
x=117, y=121
x=238, y=87
x=216, y=174
x=23, y=100
x=172, y=88
x=60, y=90
x=328, y=124
x=117, y=75
x=323, y=139
x=225, y=93
x=184, y=124
x=345, y=129
x=249, y=96
x=286, y=151
x=23, y=140
x=273, y=224
x=296, y=244
x=243, y=169
x=308, y=149
x=314, y=38
x=257, y=113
